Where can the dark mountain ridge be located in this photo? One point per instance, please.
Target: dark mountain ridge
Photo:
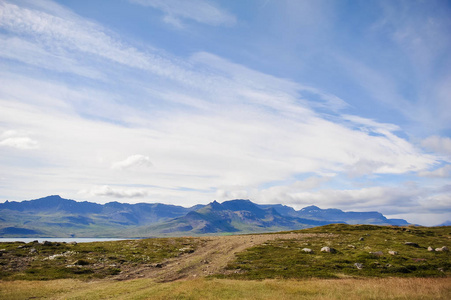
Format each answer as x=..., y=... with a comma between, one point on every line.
x=55, y=216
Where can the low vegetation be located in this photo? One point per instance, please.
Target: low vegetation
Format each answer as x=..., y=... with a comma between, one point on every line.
x=357, y=251
x=45, y=261
x=362, y=262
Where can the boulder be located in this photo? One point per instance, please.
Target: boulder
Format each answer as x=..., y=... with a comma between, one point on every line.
x=431, y=249
x=328, y=249
x=358, y=266
x=444, y=248
x=393, y=252
x=377, y=253
x=307, y=250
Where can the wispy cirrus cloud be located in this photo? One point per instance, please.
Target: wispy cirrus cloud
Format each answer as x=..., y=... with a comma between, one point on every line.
x=201, y=11
x=211, y=126
x=61, y=36
x=255, y=101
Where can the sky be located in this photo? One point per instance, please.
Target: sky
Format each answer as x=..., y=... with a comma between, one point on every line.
x=339, y=104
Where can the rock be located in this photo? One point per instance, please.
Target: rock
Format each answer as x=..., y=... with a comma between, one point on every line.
x=186, y=250
x=377, y=253
x=444, y=248
x=47, y=243
x=431, y=249
x=33, y=251
x=412, y=244
x=351, y=246
x=158, y=265
x=393, y=252
x=328, y=249
x=358, y=266
x=361, y=239
x=307, y=250
x=419, y=259
x=72, y=243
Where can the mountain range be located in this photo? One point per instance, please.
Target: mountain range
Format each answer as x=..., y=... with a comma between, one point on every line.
x=54, y=216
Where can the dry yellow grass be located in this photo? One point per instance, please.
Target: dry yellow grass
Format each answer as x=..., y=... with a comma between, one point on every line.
x=349, y=289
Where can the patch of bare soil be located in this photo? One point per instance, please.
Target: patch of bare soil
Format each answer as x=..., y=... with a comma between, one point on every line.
x=211, y=257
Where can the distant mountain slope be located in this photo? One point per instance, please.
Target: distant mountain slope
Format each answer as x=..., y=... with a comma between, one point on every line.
x=54, y=216
x=333, y=215
x=446, y=223
x=232, y=216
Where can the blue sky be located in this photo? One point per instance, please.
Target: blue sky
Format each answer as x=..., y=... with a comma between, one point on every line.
x=343, y=104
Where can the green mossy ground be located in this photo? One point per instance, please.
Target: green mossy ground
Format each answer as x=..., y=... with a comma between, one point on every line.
x=279, y=259
x=284, y=258
x=85, y=260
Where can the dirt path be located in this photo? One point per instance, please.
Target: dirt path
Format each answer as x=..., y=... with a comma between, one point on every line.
x=211, y=257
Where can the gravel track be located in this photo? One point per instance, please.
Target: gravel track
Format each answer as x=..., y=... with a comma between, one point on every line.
x=211, y=257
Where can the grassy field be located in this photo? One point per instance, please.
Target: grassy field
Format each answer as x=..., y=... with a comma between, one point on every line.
x=349, y=289
x=365, y=245
x=271, y=266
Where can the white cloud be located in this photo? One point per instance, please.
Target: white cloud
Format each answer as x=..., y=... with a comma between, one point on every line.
x=201, y=11
x=441, y=145
x=11, y=138
x=275, y=194
x=107, y=191
x=372, y=125
x=132, y=161
x=410, y=201
x=442, y=172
